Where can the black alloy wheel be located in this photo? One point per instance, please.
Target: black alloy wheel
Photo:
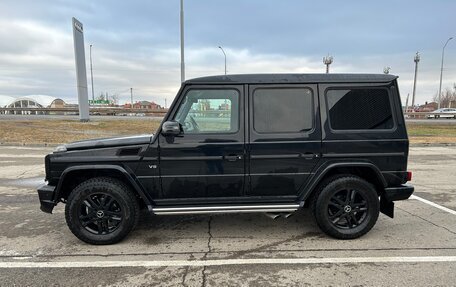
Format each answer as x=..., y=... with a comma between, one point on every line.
x=346, y=206
x=100, y=213
x=101, y=210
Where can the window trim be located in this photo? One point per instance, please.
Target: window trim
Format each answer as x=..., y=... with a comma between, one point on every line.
x=390, y=97
x=289, y=87
x=211, y=88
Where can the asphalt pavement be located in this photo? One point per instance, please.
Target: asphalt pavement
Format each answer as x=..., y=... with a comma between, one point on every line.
x=416, y=248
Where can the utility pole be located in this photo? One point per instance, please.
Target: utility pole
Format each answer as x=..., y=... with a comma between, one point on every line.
x=441, y=70
x=91, y=74
x=182, y=40
x=131, y=95
x=165, y=103
x=327, y=61
x=416, y=60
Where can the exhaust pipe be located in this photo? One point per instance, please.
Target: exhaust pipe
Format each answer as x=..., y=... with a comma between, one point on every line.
x=272, y=215
x=275, y=215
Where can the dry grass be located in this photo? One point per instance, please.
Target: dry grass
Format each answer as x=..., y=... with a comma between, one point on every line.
x=57, y=131
x=431, y=133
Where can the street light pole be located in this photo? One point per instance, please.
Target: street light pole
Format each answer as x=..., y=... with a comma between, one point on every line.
x=441, y=70
x=91, y=73
x=224, y=55
x=182, y=40
x=416, y=60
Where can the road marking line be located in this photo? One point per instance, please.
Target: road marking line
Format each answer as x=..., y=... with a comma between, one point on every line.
x=221, y=262
x=22, y=156
x=433, y=204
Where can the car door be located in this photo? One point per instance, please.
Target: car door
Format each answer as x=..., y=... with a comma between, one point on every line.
x=207, y=161
x=284, y=138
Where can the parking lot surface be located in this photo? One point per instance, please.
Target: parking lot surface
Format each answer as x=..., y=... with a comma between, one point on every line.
x=416, y=248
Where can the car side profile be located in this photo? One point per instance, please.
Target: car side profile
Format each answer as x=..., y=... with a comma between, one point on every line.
x=442, y=113
x=269, y=143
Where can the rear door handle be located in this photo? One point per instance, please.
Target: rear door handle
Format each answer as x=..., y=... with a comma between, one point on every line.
x=232, y=157
x=309, y=155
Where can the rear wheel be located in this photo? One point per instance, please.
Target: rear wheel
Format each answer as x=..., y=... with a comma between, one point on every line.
x=346, y=207
x=101, y=211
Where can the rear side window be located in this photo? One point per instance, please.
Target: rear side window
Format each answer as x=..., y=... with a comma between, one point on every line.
x=282, y=110
x=359, y=109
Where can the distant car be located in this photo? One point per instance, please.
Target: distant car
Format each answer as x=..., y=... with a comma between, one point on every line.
x=442, y=113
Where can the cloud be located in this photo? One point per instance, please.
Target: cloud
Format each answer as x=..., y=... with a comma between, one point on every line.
x=136, y=43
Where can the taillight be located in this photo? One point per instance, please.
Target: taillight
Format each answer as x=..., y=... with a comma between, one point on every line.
x=409, y=176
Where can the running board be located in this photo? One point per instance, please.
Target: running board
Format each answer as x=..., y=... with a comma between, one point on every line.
x=225, y=209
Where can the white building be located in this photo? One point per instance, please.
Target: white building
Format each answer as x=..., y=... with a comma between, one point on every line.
x=31, y=101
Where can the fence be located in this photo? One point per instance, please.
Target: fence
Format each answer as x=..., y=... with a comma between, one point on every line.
x=161, y=112
x=75, y=111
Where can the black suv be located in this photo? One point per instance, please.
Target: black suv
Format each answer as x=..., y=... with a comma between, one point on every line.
x=271, y=143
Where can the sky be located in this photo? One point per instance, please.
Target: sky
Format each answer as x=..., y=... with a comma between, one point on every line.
x=137, y=43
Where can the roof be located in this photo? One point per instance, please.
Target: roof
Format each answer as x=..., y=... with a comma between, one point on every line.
x=293, y=78
x=43, y=100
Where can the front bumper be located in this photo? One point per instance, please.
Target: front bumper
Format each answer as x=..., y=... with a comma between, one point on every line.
x=46, y=194
x=401, y=192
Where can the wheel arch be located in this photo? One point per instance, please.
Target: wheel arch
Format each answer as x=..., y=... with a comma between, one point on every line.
x=364, y=170
x=74, y=175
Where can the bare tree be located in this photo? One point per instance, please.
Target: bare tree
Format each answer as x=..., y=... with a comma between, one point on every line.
x=115, y=99
x=448, y=98
x=101, y=97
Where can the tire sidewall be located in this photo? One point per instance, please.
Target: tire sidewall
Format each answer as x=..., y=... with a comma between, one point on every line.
x=362, y=187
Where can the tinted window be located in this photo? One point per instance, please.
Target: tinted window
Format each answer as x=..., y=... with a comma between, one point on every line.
x=359, y=109
x=209, y=111
x=278, y=110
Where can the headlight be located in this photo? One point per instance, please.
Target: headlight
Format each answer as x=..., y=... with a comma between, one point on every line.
x=60, y=148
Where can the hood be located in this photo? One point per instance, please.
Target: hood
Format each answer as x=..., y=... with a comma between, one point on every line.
x=109, y=142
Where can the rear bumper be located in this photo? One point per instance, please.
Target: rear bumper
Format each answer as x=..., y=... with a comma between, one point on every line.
x=46, y=194
x=401, y=192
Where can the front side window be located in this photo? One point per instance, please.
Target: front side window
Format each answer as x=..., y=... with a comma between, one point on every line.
x=359, y=109
x=209, y=111
x=282, y=110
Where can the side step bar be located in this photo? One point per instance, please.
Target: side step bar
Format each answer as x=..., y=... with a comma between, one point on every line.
x=225, y=209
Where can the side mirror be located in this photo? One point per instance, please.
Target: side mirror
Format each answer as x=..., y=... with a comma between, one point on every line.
x=171, y=128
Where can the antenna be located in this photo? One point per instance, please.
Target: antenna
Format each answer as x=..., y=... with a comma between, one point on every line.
x=327, y=61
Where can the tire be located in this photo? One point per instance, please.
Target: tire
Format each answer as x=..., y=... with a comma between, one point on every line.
x=346, y=207
x=101, y=211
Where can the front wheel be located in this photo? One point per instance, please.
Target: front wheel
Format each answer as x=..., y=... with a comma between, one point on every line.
x=346, y=207
x=101, y=211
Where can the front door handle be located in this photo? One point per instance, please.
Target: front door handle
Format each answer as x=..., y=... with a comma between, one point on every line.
x=232, y=157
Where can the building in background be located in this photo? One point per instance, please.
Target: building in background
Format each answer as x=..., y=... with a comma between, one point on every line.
x=427, y=107
x=31, y=101
x=144, y=105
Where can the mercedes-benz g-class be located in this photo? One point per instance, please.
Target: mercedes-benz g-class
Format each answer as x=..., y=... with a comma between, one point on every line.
x=271, y=143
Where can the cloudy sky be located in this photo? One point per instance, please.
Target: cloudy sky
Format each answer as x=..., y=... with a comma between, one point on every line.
x=136, y=43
